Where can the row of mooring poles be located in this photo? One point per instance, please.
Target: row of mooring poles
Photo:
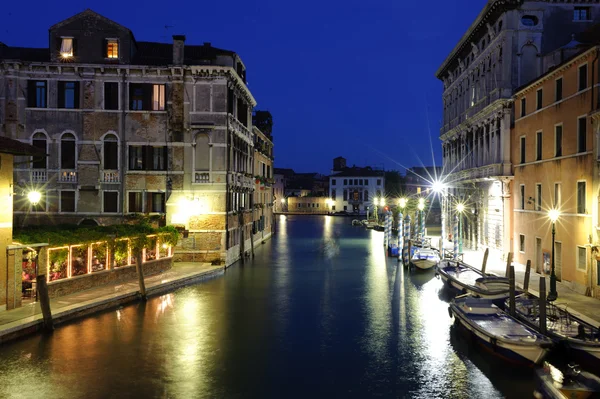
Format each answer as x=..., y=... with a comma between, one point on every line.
x=400, y=236
x=510, y=273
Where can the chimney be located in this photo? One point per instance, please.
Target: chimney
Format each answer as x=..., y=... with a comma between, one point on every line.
x=178, y=44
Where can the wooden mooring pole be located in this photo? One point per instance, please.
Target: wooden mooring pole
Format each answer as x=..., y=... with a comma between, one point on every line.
x=542, y=305
x=508, y=263
x=42, y=289
x=140, y=272
x=485, y=258
x=511, y=288
x=527, y=276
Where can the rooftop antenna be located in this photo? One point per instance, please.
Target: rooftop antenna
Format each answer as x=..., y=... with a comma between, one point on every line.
x=166, y=35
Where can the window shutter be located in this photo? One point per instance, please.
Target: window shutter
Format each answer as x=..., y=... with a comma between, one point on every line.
x=166, y=156
x=75, y=53
x=31, y=93
x=147, y=101
x=76, y=97
x=61, y=94
x=104, y=50
x=149, y=207
x=145, y=154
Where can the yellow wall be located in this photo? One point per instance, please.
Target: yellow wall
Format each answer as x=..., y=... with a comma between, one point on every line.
x=572, y=229
x=6, y=217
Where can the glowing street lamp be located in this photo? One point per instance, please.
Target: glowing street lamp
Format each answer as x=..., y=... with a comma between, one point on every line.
x=438, y=187
x=34, y=197
x=402, y=203
x=421, y=205
x=553, y=214
x=376, y=203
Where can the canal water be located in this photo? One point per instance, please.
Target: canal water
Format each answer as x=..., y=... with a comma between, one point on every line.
x=319, y=313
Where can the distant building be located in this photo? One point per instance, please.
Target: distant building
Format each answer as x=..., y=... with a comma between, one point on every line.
x=354, y=189
x=339, y=164
x=262, y=213
x=309, y=205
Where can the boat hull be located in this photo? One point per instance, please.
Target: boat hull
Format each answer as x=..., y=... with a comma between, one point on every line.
x=424, y=264
x=518, y=352
x=464, y=287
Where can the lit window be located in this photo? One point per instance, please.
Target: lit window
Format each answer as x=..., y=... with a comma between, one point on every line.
x=158, y=98
x=66, y=47
x=112, y=48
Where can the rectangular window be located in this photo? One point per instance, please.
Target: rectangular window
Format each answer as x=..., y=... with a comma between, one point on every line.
x=522, y=196
x=581, y=258
x=582, y=14
x=111, y=201
x=558, y=141
x=333, y=194
x=158, y=158
x=366, y=182
x=68, y=95
x=538, y=146
x=66, y=47
x=581, y=134
x=379, y=182
x=522, y=149
x=146, y=97
x=67, y=154
x=539, y=99
x=583, y=72
x=345, y=198
x=37, y=93
x=67, y=201
x=333, y=182
x=345, y=182
x=155, y=202
x=148, y=157
x=111, y=95
x=523, y=106
x=558, y=89
x=521, y=243
x=581, y=197
x=538, y=197
x=136, y=157
x=557, y=195
x=112, y=48
x=134, y=202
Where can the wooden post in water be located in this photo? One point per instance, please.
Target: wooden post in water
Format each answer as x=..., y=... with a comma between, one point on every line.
x=542, y=305
x=527, y=276
x=485, y=258
x=508, y=263
x=241, y=228
x=140, y=273
x=42, y=289
x=511, y=292
x=409, y=249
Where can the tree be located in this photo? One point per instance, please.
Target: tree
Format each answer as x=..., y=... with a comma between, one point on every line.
x=263, y=120
x=394, y=183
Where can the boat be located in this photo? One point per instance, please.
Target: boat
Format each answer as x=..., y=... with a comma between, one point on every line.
x=572, y=382
x=357, y=222
x=425, y=258
x=467, y=279
x=498, y=332
x=579, y=337
x=378, y=227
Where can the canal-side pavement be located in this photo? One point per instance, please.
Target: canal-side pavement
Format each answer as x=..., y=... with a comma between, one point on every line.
x=584, y=307
x=28, y=319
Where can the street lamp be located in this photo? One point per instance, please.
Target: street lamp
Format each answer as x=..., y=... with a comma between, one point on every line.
x=421, y=205
x=553, y=214
x=376, y=202
x=439, y=188
x=402, y=202
x=34, y=197
x=460, y=208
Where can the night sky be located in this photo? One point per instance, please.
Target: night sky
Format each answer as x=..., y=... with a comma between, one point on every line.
x=341, y=78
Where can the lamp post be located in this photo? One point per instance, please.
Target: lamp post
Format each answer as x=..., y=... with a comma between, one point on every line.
x=282, y=203
x=421, y=207
x=553, y=214
x=440, y=189
x=460, y=209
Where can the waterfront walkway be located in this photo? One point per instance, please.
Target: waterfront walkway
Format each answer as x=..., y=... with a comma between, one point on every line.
x=585, y=307
x=28, y=318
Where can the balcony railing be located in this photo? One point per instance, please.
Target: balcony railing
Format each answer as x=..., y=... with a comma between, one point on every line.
x=240, y=129
x=111, y=176
x=39, y=175
x=201, y=177
x=67, y=176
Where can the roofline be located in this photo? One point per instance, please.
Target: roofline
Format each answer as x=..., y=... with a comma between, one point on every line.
x=581, y=54
x=87, y=10
x=490, y=7
x=263, y=136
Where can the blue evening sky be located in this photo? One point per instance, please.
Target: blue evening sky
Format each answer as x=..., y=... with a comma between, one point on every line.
x=341, y=78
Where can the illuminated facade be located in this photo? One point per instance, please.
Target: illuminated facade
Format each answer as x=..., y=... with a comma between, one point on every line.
x=555, y=152
x=262, y=215
x=132, y=127
x=500, y=51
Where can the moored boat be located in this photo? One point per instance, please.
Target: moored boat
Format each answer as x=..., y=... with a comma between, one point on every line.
x=581, y=338
x=553, y=383
x=467, y=279
x=425, y=258
x=498, y=332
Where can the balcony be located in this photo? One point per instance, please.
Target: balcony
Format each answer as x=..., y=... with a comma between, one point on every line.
x=110, y=176
x=241, y=130
x=67, y=176
x=241, y=180
x=39, y=175
x=478, y=173
x=201, y=177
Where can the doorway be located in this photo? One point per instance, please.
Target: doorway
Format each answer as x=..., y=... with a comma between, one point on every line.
x=558, y=260
x=538, y=256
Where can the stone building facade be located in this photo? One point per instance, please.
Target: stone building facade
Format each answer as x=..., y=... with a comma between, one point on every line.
x=500, y=51
x=262, y=220
x=555, y=153
x=133, y=127
x=355, y=189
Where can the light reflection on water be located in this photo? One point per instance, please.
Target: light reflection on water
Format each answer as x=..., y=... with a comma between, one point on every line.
x=320, y=312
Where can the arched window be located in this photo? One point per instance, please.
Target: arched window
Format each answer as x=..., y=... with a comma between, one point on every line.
x=40, y=141
x=202, y=152
x=366, y=195
x=111, y=152
x=67, y=151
